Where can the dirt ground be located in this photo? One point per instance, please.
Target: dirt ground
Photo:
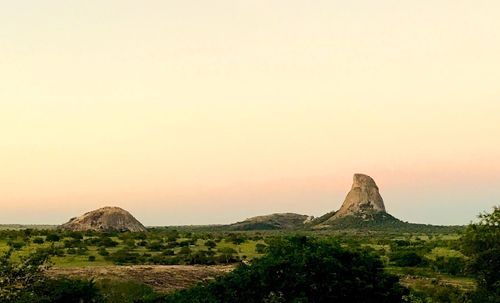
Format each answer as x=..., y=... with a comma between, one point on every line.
x=163, y=278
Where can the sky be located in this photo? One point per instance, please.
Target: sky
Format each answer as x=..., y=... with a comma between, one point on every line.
x=201, y=112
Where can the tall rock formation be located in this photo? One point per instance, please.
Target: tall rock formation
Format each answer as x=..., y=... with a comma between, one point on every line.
x=363, y=206
x=105, y=219
x=364, y=198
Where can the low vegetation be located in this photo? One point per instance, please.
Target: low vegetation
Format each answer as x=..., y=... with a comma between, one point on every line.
x=271, y=266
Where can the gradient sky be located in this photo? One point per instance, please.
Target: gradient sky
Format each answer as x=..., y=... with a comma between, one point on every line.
x=195, y=112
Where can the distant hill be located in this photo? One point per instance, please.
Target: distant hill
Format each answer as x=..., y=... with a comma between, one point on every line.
x=363, y=209
x=271, y=222
x=105, y=219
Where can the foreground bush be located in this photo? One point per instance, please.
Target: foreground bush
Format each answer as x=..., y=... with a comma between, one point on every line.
x=481, y=243
x=301, y=269
x=23, y=281
x=19, y=278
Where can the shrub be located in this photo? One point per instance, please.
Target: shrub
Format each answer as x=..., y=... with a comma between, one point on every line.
x=65, y=291
x=260, y=248
x=481, y=243
x=301, y=269
x=18, y=279
x=406, y=258
x=124, y=256
x=126, y=291
x=227, y=255
x=155, y=246
x=53, y=238
x=38, y=240
x=102, y=252
x=210, y=244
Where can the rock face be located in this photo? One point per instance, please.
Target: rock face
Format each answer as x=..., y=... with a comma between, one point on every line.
x=363, y=204
x=364, y=198
x=105, y=219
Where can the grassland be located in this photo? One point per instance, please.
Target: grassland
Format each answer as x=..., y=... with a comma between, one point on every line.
x=423, y=261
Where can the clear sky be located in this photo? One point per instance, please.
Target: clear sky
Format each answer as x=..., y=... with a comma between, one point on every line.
x=194, y=112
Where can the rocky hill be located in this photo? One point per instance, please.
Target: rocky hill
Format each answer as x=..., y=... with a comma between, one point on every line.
x=105, y=219
x=274, y=221
x=363, y=206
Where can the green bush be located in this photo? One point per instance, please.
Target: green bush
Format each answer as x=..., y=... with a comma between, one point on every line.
x=125, y=256
x=301, y=269
x=102, y=252
x=114, y=291
x=407, y=258
x=451, y=265
x=481, y=242
x=260, y=248
x=38, y=240
x=53, y=238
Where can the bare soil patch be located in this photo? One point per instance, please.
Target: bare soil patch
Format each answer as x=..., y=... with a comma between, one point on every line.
x=163, y=278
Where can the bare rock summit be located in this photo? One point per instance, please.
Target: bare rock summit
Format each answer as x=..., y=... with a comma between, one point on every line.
x=105, y=219
x=363, y=205
x=364, y=198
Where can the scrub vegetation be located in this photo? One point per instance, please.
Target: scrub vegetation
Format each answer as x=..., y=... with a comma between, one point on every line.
x=261, y=266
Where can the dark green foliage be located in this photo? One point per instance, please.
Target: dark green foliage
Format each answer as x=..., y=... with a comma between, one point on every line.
x=260, y=248
x=301, y=269
x=155, y=246
x=103, y=252
x=19, y=278
x=185, y=250
x=236, y=238
x=64, y=291
x=16, y=245
x=452, y=265
x=130, y=243
x=227, y=255
x=407, y=258
x=75, y=235
x=24, y=282
x=438, y=294
x=114, y=291
x=105, y=241
x=481, y=242
x=38, y=240
x=53, y=237
x=210, y=244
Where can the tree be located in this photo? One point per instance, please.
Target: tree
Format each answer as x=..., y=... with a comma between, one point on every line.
x=210, y=244
x=53, y=237
x=406, y=258
x=260, y=248
x=17, y=278
x=24, y=282
x=481, y=242
x=227, y=254
x=301, y=269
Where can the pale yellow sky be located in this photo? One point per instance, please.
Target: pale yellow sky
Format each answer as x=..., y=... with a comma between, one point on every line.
x=192, y=112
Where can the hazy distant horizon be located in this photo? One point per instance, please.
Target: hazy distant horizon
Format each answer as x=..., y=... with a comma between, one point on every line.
x=413, y=205
x=197, y=112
